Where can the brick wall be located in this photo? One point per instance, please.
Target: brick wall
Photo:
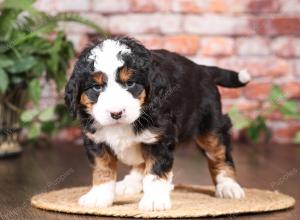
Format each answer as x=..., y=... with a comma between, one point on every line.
x=260, y=35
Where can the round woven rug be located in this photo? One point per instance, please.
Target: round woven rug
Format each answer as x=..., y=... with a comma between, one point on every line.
x=187, y=201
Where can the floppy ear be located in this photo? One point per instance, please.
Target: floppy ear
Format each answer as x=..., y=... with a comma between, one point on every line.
x=72, y=94
x=83, y=67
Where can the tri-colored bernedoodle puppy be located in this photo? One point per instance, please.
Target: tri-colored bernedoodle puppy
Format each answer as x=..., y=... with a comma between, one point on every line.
x=135, y=105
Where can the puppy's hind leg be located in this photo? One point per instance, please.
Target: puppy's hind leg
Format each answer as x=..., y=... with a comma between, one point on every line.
x=217, y=149
x=132, y=182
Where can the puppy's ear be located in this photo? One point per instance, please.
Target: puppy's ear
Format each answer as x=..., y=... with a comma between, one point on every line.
x=72, y=94
x=83, y=67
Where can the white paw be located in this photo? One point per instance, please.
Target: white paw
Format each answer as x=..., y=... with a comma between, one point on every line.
x=128, y=188
x=229, y=189
x=99, y=196
x=156, y=193
x=155, y=203
x=131, y=184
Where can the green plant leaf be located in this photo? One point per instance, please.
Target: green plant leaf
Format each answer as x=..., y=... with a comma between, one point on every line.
x=34, y=90
x=257, y=127
x=5, y=62
x=47, y=114
x=7, y=23
x=289, y=108
x=25, y=5
x=297, y=138
x=4, y=81
x=22, y=65
x=239, y=120
x=276, y=94
x=49, y=127
x=34, y=130
x=29, y=115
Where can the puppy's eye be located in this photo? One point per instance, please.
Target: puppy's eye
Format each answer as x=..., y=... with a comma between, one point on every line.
x=97, y=88
x=130, y=85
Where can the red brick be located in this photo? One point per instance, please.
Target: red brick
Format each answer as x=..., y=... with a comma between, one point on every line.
x=216, y=46
x=296, y=67
x=258, y=91
x=147, y=6
x=69, y=134
x=199, y=6
x=258, y=67
x=286, y=46
x=151, y=42
x=111, y=6
x=253, y=46
x=276, y=116
x=292, y=89
x=170, y=23
x=227, y=93
x=209, y=24
x=275, y=25
x=285, y=132
x=134, y=24
x=143, y=6
x=188, y=6
x=224, y=6
x=243, y=105
x=259, y=6
x=144, y=23
x=183, y=44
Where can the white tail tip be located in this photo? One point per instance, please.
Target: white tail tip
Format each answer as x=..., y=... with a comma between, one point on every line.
x=244, y=76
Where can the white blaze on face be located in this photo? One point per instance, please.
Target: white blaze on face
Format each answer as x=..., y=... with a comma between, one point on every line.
x=114, y=98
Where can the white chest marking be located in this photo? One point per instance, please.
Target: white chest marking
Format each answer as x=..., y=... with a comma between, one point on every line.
x=124, y=142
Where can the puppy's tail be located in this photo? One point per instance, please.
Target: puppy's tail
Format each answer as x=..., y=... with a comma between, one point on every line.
x=228, y=78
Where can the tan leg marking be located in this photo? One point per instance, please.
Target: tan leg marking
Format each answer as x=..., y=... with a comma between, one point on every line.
x=223, y=174
x=216, y=153
x=105, y=169
x=104, y=176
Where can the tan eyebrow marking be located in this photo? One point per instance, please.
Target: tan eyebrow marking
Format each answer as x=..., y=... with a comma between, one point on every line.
x=125, y=74
x=99, y=78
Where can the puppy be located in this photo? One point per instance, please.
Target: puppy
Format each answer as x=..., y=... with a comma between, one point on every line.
x=135, y=105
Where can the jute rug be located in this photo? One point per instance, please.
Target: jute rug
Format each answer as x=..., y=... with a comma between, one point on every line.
x=187, y=201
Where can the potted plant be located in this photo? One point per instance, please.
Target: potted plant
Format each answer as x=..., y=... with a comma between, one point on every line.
x=32, y=47
x=256, y=128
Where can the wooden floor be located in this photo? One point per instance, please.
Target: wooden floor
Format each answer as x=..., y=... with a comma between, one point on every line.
x=61, y=165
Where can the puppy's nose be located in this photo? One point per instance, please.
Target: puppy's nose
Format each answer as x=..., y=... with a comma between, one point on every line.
x=116, y=115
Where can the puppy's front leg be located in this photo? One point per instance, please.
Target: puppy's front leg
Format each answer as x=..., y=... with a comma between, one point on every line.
x=104, y=165
x=157, y=183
